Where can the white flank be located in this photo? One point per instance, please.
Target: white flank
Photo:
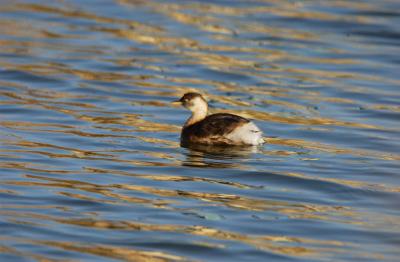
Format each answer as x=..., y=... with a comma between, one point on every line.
x=248, y=134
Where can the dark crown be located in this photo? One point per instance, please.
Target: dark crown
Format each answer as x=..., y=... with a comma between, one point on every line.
x=190, y=96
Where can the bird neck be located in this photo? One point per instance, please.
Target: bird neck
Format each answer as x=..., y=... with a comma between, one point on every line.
x=197, y=115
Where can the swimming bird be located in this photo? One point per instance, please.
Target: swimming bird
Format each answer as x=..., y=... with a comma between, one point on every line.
x=215, y=129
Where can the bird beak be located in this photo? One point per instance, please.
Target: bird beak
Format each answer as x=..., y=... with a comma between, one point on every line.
x=176, y=103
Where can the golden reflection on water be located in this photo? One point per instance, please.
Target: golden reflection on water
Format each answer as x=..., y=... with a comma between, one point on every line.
x=155, y=36
x=331, y=148
x=114, y=252
x=174, y=178
x=276, y=244
x=139, y=144
x=14, y=251
x=272, y=243
x=293, y=210
x=109, y=251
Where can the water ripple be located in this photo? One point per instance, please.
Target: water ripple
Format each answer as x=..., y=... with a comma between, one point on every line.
x=90, y=158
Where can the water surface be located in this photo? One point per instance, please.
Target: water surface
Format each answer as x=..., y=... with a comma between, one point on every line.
x=91, y=167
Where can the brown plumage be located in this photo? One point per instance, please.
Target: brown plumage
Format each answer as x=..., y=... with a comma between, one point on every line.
x=211, y=130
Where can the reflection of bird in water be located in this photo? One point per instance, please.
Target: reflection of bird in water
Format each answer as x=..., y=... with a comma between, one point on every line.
x=222, y=152
x=216, y=156
x=216, y=129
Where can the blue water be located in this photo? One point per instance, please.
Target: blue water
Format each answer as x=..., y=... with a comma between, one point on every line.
x=91, y=166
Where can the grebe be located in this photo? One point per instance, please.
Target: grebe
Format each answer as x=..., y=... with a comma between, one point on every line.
x=216, y=129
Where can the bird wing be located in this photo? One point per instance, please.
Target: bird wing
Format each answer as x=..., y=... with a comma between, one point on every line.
x=218, y=125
